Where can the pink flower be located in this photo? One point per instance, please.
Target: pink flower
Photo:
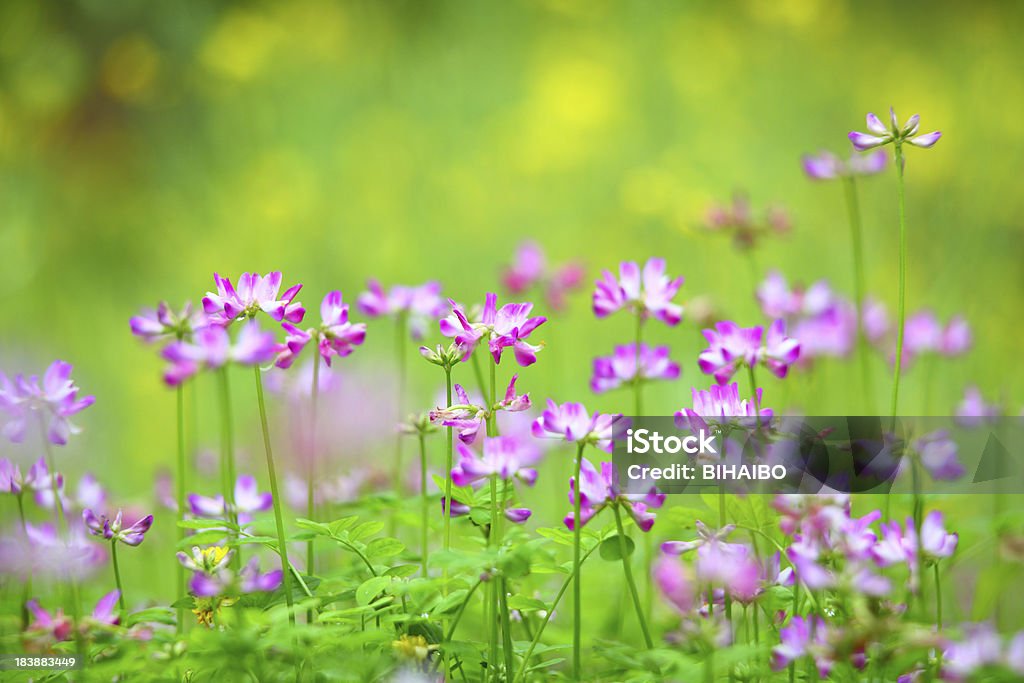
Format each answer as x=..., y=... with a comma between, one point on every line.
x=974, y=411
x=211, y=348
x=165, y=324
x=420, y=305
x=54, y=400
x=255, y=293
x=738, y=218
x=672, y=579
x=647, y=293
x=40, y=552
x=611, y=372
x=115, y=529
x=529, y=269
x=879, y=134
x=247, y=499
x=803, y=638
x=335, y=336
x=718, y=403
x=827, y=166
x=572, y=422
x=37, y=479
x=502, y=328
x=503, y=456
x=938, y=455
x=598, y=490
x=468, y=417
x=732, y=347
x=88, y=494
x=224, y=582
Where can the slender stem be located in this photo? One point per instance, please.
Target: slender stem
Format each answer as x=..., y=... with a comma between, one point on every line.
x=856, y=239
x=492, y=535
x=901, y=307
x=938, y=599
x=400, y=336
x=423, y=503
x=547, y=617
x=180, y=487
x=637, y=379
x=576, y=561
x=117, y=577
x=27, y=588
x=448, y=471
x=753, y=394
x=628, y=571
x=475, y=360
x=227, y=436
x=311, y=471
x=282, y=546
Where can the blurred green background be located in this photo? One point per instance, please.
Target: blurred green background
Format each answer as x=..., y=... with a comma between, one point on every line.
x=144, y=146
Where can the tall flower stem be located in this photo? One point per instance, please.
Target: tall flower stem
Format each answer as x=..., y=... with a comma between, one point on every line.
x=628, y=571
x=282, y=546
x=448, y=470
x=311, y=472
x=577, y=601
x=901, y=305
x=637, y=379
x=117, y=577
x=753, y=393
x=400, y=337
x=938, y=597
x=27, y=588
x=227, y=455
x=180, y=487
x=856, y=239
x=423, y=503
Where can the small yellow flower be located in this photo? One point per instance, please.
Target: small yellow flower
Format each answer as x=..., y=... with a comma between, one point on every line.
x=413, y=647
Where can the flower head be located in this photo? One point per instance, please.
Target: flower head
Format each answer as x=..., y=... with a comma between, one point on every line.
x=504, y=456
x=247, y=500
x=938, y=454
x=36, y=479
x=468, y=416
x=508, y=326
x=529, y=268
x=88, y=494
x=572, y=422
x=54, y=399
x=738, y=218
x=611, y=372
x=223, y=582
x=672, y=579
x=645, y=292
x=207, y=560
x=973, y=410
x=879, y=134
x=801, y=638
x=114, y=529
x=255, y=293
x=717, y=404
x=165, y=324
x=335, y=336
x=211, y=348
x=599, y=489
x=420, y=305
x=732, y=347
x=827, y=166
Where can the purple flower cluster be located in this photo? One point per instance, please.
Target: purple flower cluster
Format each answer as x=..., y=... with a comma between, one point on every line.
x=732, y=347
x=600, y=489
x=52, y=400
x=419, y=306
x=827, y=166
x=117, y=529
x=647, y=292
x=500, y=328
x=879, y=134
x=530, y=269
x=612, y=372
x=738, y=219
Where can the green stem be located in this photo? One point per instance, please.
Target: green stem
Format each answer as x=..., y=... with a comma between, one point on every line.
x=628, y=571
x=311, y=471
x=448, y=472
x=856, y=239
x=27, y=588
x=938, y=598
x=901, y=306
x=117, y=577
x=282, y=546
x=753, y=394
x=227, y=436
x=576, y=562
x=400, y=336
x=423, y=503
x=547, y=617
x=492, y=535
x=637, y=379
x=180, y=485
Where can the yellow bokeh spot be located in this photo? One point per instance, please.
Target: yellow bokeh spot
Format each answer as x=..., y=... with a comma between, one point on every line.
x=241, y=45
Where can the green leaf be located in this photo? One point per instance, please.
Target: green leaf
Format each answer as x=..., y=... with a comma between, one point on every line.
x=481, y=516
x=401, y=571
x=205, y=537
x=524, y=603
x=186, y=602
x=611, y=549
x=462, y=494
x=560, y=536
x=158, y=615
x=384, y=547
x=203, y=523
x=339, y=525
x=449, y=603
x=365, y=530
x=369, y=589
x=317, y=527
x=249, y=540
